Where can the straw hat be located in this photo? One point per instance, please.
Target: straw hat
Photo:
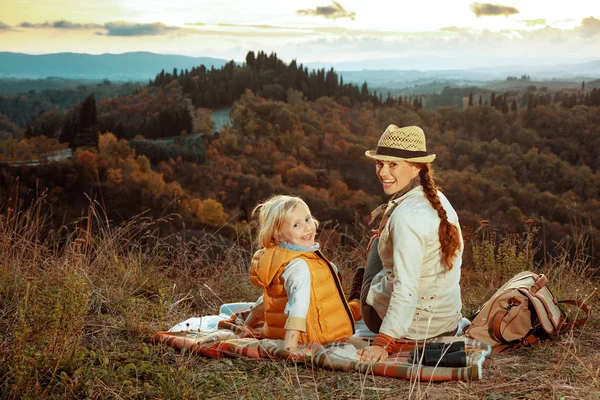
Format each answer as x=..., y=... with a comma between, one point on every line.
x=404, y=144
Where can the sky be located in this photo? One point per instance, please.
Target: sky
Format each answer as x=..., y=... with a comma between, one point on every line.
x=459, y=33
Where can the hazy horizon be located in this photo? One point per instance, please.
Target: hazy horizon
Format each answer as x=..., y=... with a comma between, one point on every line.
x=421, y=63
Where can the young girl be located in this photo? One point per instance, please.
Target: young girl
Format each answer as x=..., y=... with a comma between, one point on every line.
x=302, y=297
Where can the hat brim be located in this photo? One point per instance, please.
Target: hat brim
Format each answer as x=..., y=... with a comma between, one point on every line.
x=373, y=154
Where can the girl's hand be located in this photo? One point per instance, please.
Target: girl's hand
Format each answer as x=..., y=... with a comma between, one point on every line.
x=373, y=354
x=291, y=339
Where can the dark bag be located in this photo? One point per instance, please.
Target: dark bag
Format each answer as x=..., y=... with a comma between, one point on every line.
x=522, y=311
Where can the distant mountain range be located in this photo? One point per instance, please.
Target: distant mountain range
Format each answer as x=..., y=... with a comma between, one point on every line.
x=476, y=68
x=585, y=70
x=138, y=66
x=384, y=73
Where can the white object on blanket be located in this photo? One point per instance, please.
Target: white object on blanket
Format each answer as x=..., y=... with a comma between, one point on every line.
x=210, y=322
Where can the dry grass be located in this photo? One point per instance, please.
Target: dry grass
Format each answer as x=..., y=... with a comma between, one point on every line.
x=79, y=305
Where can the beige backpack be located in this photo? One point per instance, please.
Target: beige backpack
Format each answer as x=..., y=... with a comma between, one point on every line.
x=522, y=311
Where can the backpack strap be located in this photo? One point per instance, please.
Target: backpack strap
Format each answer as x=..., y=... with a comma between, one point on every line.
x=530, y=339
x=580, y=321
x=540, y=282
x=494, y=326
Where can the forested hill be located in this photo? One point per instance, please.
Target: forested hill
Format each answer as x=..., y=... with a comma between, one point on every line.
x=515, y=161
x=266, y=75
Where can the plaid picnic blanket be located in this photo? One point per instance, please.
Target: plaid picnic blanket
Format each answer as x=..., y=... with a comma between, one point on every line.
x=230, y=339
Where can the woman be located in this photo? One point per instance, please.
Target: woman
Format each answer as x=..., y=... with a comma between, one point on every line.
x=410, y=288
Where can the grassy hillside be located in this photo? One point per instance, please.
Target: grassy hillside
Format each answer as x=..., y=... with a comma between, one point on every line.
x=79, y=308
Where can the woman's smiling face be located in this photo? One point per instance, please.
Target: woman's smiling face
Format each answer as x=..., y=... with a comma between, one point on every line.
x=395, y=175
x=299, y=228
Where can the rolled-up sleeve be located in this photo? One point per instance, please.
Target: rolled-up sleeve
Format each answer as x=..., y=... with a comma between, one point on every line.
x=296, y=280
x=408, y=236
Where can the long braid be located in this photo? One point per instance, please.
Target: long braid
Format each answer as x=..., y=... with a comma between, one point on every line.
x=448, y=233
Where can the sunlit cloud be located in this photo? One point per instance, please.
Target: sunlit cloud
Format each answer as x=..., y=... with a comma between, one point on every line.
x=490, y=10
x=590, y=27
x=123, y=28
x=566, y=23
x=456, y=29
x=566, y=20
x=62, y=24
x=332, y=11
x=251, y=30
x=534, y=22
x=252, y=26
x=114, y=28
x=240, y=31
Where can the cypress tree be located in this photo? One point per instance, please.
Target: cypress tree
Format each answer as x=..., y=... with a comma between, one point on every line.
x=87, y=129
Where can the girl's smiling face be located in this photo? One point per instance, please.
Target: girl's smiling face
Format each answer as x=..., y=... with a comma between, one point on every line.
x=299, y=228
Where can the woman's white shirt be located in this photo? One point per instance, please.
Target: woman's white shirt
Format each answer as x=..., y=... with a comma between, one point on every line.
x=416, y=296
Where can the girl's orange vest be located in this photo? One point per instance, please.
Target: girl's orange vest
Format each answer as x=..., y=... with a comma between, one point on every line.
x=328, y=318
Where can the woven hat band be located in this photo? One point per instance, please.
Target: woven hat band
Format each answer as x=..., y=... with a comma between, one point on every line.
x=401, y=153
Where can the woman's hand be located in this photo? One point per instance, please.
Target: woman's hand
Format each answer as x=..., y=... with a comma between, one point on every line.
x=373, y=354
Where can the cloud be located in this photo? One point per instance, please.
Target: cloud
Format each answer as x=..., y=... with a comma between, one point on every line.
x=332, y=11
x=590, y=27
x=62, y=24
x=124, y=28
x=455, y=29
x=487, y=9
x=534, y=22
x=261, y=31
x=567, y=20
x=252, y=26
x=115, y=28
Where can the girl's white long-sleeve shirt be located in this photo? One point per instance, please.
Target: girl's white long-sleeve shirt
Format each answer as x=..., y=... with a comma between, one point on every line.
x=416, y=296
x=296, y=281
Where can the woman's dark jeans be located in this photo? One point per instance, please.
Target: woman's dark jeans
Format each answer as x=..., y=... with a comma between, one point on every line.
x=372, y=267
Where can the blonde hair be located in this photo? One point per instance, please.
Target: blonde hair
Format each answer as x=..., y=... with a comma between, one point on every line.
x=271, y=216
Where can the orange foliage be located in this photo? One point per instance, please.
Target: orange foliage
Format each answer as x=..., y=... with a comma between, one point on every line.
x=209, y=211
x=301, y=175
x=86, y=163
